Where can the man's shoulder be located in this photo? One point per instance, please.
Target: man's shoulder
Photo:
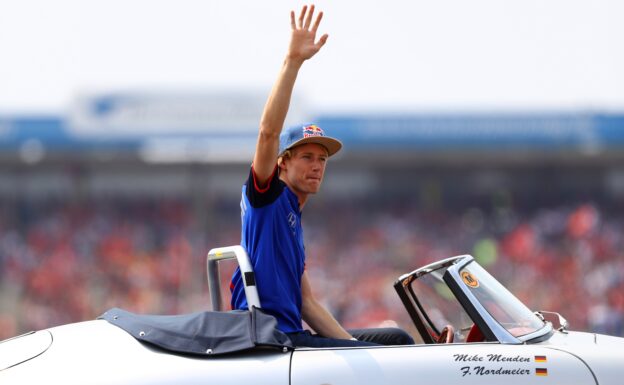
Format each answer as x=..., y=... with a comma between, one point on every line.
x=261, y=196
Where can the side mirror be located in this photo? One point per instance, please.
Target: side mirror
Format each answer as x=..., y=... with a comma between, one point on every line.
x=558, y=322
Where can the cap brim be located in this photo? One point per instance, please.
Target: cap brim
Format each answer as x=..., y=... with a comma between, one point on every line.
x=332, y=145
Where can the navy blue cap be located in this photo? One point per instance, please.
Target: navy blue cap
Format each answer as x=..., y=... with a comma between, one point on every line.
x=307, y=133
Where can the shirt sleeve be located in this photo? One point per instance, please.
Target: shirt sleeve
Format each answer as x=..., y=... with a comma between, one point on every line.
x=259, y=197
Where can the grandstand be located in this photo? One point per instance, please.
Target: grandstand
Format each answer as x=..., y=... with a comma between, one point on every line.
x=117, y=203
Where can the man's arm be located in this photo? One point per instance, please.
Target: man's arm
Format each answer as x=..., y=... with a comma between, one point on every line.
x=316, y=316
x=302, y=47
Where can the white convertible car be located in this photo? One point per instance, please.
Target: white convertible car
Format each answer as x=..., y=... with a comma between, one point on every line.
x=474, y=332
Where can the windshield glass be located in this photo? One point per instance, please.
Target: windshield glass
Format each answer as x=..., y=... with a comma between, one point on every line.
x=440, y=305
x=503, y=306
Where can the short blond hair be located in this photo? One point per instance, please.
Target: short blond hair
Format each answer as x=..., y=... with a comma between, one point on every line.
x=280, y=159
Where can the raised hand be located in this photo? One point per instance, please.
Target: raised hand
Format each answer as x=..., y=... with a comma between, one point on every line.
x=302, y=42
x=303, y=45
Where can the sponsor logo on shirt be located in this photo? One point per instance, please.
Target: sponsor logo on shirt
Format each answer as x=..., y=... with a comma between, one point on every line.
x=292, y=221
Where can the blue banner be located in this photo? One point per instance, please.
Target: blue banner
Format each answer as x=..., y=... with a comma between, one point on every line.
x=485, y=132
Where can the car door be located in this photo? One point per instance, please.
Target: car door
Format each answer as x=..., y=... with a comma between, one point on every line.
x=477, y=363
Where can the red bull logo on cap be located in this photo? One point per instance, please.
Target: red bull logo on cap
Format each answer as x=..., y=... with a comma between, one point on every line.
x=312, y=130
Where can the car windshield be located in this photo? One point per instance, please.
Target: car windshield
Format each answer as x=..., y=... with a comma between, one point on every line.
x=503, y=306
x=439, y=305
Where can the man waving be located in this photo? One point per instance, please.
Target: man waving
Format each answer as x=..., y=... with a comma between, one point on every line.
x=287, y=168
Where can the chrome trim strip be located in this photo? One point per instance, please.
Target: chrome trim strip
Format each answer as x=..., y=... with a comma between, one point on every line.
x=432, y=266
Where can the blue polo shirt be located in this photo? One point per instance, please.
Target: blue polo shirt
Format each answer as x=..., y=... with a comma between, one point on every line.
x=273, y=238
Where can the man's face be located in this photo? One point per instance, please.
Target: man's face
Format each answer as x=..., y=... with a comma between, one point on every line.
x=303, y=171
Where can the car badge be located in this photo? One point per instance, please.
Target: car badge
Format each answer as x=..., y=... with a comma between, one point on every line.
x=470, y=279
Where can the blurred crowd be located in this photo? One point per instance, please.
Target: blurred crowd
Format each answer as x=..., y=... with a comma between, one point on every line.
x=64, y=262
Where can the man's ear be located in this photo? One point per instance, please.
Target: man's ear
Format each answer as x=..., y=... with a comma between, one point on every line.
x=282, y=160
x=281, y=163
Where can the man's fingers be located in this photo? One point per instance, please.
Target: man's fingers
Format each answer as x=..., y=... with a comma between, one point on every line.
x=302, y=15
x=322, y=41
x=308, y=19
x=293, y=24
x=317, y=22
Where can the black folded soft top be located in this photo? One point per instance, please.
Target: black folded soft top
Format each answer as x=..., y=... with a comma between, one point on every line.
x=203, y=333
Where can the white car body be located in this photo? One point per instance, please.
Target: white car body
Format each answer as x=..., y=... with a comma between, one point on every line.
x=98, y=352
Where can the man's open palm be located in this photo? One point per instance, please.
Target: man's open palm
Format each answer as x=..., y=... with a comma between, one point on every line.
x=302, y=43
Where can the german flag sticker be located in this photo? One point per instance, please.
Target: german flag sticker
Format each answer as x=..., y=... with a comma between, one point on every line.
x=541, y=371
x=540, y=359
x=469, y=279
